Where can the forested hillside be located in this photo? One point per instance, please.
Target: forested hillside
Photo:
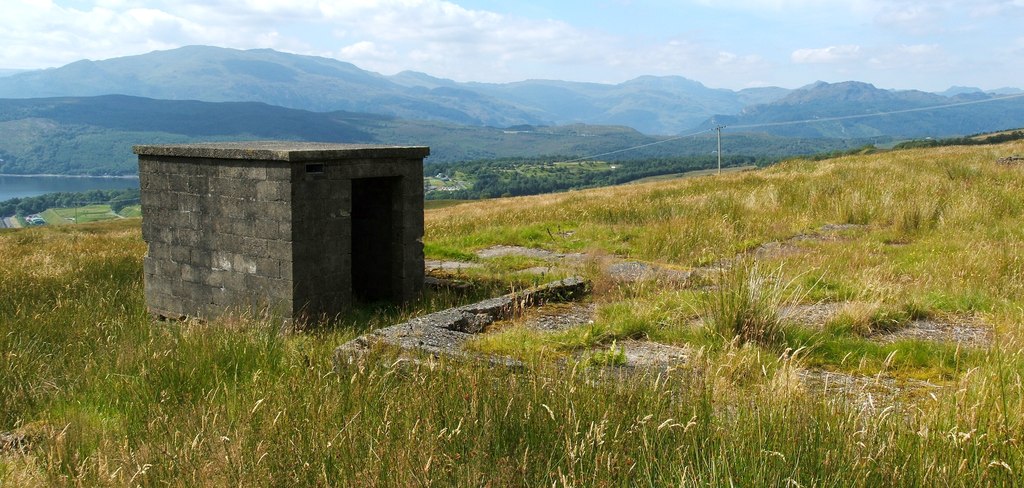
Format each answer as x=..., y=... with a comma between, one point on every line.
x=859, y=110
x=94, y=135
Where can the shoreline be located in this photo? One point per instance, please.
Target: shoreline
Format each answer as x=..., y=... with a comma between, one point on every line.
x=49, y=175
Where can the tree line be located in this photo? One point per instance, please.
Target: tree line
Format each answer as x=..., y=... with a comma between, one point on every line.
x=975, y=140
x=531, y=176
x=117, y=199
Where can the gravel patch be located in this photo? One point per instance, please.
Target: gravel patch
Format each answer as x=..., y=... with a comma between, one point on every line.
x=634, y=271
x=870, y=393
x=647, y=354
x=436, y=265
x=538, y=270
x=964, y=330
x=812, y=315
x=560, y=316
x=498, y=251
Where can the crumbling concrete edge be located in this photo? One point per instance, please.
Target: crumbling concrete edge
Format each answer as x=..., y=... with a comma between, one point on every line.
x=442, y=333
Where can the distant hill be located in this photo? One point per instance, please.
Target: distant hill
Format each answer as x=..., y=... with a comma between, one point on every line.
x=94, y=135
x=854, y=103
x=653, y=105
x=262, y=75
x=649, y=104
x=961, y=90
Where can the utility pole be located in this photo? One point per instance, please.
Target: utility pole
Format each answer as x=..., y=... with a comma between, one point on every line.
x=719, y=129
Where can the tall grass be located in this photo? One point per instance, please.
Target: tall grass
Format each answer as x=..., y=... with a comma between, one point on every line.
x=108, y=397
x=746, y=304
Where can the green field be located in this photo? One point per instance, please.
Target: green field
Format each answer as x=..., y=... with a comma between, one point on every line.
x=88, y=213
x=78, y=215
x=100, y=394
x=131, y=211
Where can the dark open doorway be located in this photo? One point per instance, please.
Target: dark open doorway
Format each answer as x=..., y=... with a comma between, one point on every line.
x=375, y=239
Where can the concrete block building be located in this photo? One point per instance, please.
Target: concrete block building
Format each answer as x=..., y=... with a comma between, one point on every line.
x=302, y=230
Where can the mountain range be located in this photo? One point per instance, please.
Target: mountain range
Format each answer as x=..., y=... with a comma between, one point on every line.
x=94, y=135
x=649, y=104
x=82, y=118
x=859, y=110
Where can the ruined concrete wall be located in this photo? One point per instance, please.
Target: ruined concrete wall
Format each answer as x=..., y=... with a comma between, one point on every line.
x=219, y=234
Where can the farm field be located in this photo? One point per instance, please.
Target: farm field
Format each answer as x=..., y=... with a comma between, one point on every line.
x=87, y=214
x=854, y=321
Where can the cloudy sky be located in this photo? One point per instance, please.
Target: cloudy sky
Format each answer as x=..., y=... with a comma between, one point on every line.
x=922, y=44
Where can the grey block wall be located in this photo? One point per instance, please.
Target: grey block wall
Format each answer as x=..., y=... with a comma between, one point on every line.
x=269, y=226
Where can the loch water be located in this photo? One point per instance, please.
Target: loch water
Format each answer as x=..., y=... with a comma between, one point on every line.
x=30, y=186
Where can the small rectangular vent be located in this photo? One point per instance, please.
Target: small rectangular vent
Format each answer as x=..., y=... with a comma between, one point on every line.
x=315, y=169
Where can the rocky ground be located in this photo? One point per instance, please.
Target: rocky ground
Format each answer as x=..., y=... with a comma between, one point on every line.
x=563, y=304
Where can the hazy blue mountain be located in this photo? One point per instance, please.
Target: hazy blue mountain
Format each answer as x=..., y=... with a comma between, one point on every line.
x=649, y=104
x=960, y=90
x=1006, y=91
x=422, y=80
x=261, y=75
x=654, y=105
x=9, y=72
x=761, y=95
x=94, y=135
x=855, y=102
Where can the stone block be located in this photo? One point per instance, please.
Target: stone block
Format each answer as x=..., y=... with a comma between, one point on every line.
x=255, y=247
x=222, y=260
x=187, y=237
x=241, y=263
x=270, y=268
x=286, y=270
x=277, y=211
x=243, y=227
x=180, y=254
x=193, y=274
x=200, y=256
x=267, y=229
x=272, y=191
x=280, y=249
x=188, y=202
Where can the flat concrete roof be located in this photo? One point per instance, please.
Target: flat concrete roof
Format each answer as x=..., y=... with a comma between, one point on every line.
x=292, y=151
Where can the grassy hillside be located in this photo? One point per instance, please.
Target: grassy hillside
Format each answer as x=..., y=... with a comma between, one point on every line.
x=98, y=394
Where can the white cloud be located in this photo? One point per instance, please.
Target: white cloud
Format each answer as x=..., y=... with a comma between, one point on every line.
x=831, y=54
x=444, y=38
x=992, y=8
x=365, y=49
x=436, y=36
x=917, y=57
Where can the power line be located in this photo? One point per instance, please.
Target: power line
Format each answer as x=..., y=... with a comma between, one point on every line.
x=877, y=114
x=719, y=130
x=792, y=122
x=655, y=143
